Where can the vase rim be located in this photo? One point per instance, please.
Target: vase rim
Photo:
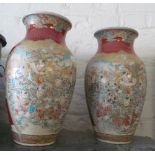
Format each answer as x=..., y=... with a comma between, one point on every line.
x=97, y=33
x=49, y=14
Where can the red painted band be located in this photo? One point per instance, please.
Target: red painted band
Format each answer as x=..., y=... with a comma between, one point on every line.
x=43, y=33
x=115, y=46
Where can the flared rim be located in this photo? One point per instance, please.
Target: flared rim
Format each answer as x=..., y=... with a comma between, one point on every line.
x=49, y=14
x=97, y=33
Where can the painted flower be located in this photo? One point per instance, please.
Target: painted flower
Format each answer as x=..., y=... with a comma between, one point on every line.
x=126, y=101
x=40, y=80
x=65, y=72
x=127, y=121
x=58, y=83
x=26, y=103
x=32, y=108
x=117, y=121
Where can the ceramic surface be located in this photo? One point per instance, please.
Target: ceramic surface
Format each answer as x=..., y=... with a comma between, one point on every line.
x=115, y=84
x=40, y=79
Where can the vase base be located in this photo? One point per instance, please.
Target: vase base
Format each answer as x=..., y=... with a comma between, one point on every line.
x=34, y=140
x=114, y=139
x=25, y=144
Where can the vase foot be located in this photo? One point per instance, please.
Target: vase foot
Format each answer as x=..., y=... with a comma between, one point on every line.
x=34, y=140
x=114, y=139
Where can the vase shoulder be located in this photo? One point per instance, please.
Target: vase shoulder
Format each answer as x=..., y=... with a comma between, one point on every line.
x=117, y=57
x=48, y=45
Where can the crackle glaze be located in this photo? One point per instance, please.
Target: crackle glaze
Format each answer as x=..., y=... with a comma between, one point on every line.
x=40, y=79
x=115, y=85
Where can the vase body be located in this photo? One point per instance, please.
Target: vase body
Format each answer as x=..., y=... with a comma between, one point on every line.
x=115, y=85
x=2, y=44
x=40, y=79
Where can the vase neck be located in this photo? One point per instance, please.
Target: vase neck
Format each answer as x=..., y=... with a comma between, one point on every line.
x=115, y=40
x=34, y=33
x=115, y=46
x=41, y=26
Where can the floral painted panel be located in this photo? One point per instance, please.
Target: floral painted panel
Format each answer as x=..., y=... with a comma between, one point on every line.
x=115, y=90
x=40, y=81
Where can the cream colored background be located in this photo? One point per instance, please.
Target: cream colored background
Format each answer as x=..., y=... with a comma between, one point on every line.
x=86, y=19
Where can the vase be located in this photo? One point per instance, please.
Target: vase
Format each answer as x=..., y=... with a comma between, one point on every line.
x=2, y=44
x=40, y=79
x=115, y=86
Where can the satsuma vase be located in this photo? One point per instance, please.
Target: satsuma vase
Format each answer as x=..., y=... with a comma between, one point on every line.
x=115, y=86
x=40, y=79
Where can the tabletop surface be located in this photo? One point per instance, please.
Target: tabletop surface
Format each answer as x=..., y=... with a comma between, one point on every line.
x=74, y=141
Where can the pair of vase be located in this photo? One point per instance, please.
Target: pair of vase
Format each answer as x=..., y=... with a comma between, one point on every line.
x=41, y=75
